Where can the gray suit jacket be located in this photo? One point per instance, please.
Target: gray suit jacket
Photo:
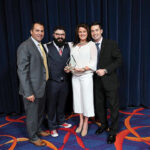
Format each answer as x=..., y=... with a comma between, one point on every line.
x=31, y=70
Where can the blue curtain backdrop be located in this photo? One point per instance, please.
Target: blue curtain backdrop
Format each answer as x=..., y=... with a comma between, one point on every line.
x=126, y=21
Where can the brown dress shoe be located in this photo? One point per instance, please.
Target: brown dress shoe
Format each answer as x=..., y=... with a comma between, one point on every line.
x=43, y=133
x=38, y=142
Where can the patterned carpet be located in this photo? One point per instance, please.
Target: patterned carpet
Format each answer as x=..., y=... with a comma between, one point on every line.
x=134, y=134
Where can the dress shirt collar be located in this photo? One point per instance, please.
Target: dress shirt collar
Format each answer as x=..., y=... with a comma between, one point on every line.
x=100, y=41
x=35, y=42
x=37, y=45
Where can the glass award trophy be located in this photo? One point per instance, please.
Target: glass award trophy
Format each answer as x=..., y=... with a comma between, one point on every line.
x=71, y=63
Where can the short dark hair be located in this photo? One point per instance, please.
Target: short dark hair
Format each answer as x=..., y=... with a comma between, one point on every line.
x=96, y=23
x=77, y=40
x=36, y=22
x=59, y=28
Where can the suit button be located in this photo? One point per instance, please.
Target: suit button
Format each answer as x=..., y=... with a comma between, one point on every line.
x=61, y=79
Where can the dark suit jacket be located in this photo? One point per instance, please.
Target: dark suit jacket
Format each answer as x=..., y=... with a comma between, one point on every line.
x=110, y=59
x=31, y=70
x=57, y=63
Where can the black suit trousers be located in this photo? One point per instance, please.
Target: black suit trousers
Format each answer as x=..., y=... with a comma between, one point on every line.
x=57, y=93
x=102, y=96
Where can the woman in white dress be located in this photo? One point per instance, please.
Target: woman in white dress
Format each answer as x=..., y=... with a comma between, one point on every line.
x=84, y=60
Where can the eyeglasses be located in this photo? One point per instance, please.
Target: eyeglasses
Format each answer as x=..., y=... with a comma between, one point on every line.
x=59, y=34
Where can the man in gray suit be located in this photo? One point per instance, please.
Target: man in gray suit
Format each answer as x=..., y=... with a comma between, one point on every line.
x=33, y=75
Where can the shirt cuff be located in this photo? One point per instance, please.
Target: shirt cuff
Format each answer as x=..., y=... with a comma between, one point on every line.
x=105, y=70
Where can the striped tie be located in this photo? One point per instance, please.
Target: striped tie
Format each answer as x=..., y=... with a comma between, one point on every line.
x=44, y=61
x=60, y=52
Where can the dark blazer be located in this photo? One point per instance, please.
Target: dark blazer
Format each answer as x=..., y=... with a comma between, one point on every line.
x=31, y=70
x=57, y=63
x=110, y=59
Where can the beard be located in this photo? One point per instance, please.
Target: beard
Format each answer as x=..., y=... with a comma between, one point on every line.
x=59, y=43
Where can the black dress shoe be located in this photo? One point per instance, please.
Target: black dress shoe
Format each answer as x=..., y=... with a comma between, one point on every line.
x=100, y=130
x=111, y=139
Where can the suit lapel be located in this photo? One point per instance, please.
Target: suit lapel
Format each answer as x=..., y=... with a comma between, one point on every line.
x=35, y=49
x=102, y=47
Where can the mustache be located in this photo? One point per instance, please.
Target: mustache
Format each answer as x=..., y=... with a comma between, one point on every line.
x=59, y=41
x=60, y=38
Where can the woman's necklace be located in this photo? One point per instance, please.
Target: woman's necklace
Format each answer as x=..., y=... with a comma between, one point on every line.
x=82, y=43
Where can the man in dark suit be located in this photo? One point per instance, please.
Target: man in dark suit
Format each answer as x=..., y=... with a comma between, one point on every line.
x=106, y=82
x=58, y=85
x=33, y=75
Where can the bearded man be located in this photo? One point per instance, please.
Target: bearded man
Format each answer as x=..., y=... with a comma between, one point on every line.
x=58, y=84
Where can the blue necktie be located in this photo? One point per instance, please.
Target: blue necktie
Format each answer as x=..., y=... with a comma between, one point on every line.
x=98, y=52
x=98, y=49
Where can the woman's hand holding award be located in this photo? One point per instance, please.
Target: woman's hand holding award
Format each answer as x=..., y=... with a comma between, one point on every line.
x=70, y=64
